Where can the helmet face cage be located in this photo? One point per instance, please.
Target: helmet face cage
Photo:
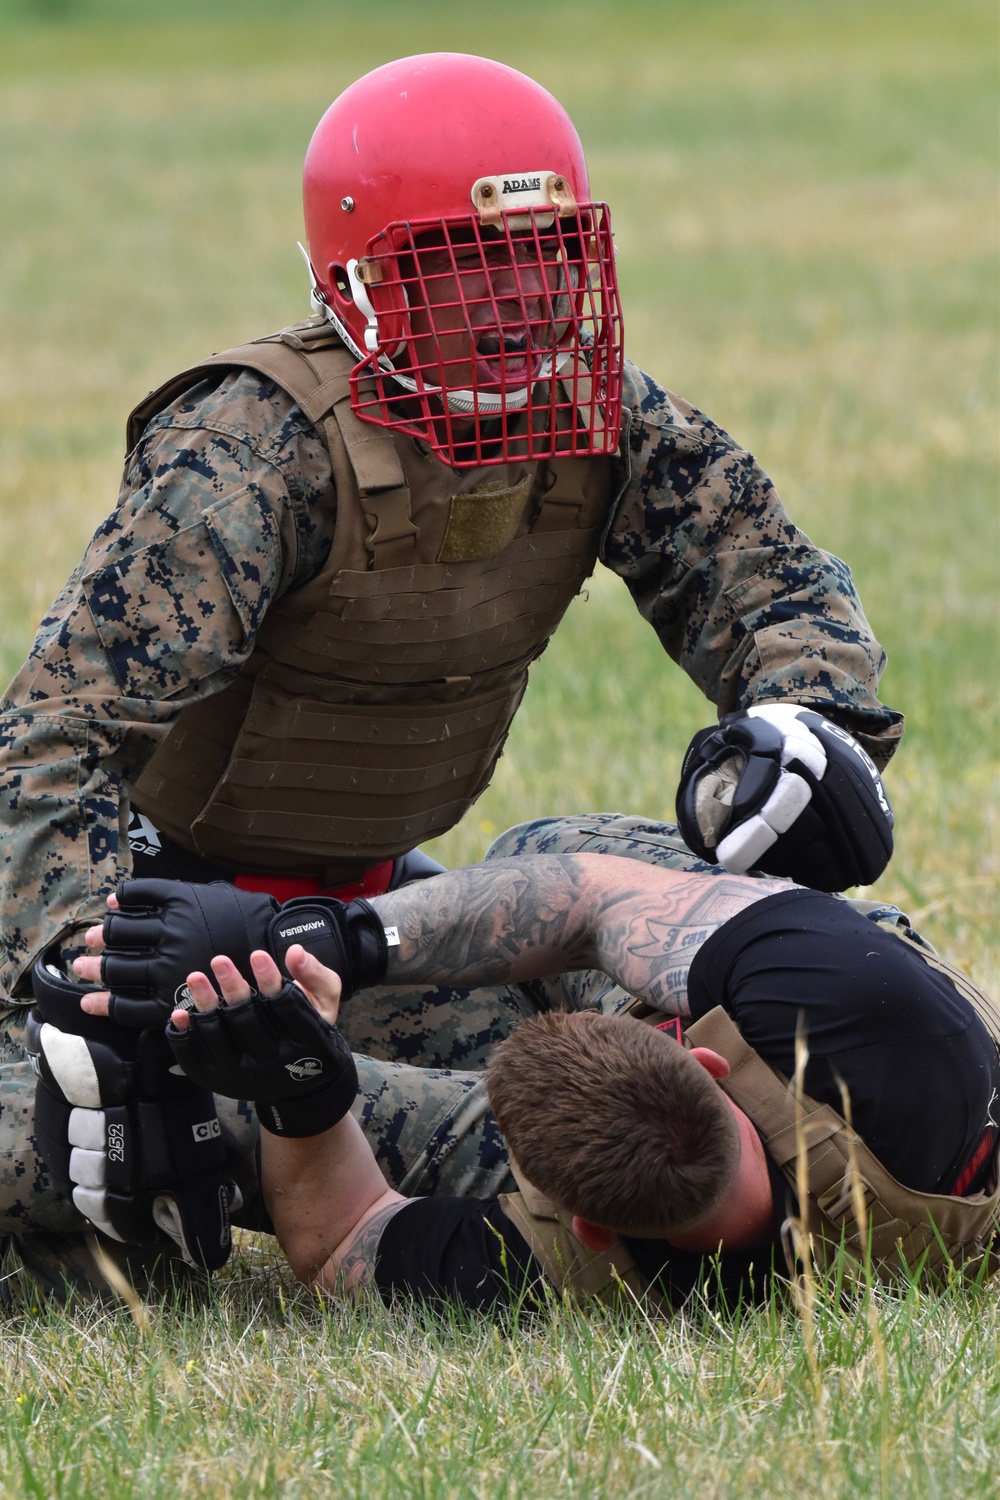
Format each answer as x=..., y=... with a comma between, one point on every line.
x=492, y=342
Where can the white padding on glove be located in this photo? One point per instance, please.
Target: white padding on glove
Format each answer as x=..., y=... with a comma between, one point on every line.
x=798, y=742
x=72, y=1066
x=88, y=1129
x=90, y=1202
x=167, y=1217
x=741, y=849
x=88, y=1168
x=88, y=1164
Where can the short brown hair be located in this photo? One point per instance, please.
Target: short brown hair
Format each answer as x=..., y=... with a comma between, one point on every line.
x=614, y=1121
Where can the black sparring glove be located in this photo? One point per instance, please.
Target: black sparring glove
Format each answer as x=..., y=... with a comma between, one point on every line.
x=136, y=1144
x=165, y=929
x=279, y=1052
x=781, y=789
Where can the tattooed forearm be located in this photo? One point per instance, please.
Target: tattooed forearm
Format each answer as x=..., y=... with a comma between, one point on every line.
x=514, y=919
x=504, y=920
x=356, y=1256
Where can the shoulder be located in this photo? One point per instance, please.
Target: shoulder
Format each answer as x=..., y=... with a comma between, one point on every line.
x=802, y=953
x=655, y=409
x=238, y=404
x=228, y=430
x=685, y=475
x=253, y=389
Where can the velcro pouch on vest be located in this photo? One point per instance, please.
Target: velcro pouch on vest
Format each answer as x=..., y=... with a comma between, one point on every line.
x=482, y=522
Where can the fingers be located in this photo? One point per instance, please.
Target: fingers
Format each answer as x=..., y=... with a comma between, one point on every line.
x=233, y=986
x=322, y=985
x=202, y=992
x=266, y=973
x=94, y=936
x=88, y=967
x=231, y=982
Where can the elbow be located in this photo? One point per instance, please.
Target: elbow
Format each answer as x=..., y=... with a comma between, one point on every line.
x=309, y=1260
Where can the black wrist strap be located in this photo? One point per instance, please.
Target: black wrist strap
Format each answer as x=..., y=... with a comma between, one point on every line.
x=369, y=948
x=314, y=1113
x=350, y=939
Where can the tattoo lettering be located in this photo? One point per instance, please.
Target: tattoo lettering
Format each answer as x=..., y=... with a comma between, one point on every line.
x=650, y=950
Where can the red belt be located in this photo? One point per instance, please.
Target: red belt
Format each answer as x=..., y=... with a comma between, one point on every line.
x=374, y=882
x=972, y=1166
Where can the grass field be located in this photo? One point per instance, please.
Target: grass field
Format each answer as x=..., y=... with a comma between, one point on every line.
x=805, y=201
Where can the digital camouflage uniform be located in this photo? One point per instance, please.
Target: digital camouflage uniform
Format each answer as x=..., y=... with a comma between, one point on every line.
x=427, y=1118
x=227, y=505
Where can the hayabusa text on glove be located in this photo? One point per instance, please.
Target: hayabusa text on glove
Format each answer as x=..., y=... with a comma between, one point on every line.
x=166, y=929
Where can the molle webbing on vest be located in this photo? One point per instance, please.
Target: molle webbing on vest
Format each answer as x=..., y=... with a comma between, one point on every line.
x=611, y=1276
x=907, y=1230
x=378, y=696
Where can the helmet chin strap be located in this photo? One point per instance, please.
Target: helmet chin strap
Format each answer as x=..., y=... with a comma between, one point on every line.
x=462, y=403
x=476, y=403
x=459, y=403
x=319, y=304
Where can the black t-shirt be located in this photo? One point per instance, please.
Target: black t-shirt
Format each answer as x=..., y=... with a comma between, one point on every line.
x=920, y=1068
x=918, y=1064
x=463, y=1249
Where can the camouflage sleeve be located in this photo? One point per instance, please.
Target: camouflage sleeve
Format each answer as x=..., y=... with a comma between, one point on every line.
x=226, y=503
x=738, y=596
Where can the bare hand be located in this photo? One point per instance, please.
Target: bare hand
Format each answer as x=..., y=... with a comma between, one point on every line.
x=89, y=967
x=320, y=985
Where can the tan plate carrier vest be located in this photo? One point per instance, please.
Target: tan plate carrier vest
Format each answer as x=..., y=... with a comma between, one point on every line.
x=906, y=1229
x=378, y=696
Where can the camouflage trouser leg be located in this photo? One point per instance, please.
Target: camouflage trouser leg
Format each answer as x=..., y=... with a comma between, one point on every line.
x=602, y=833
x=448, y=1027
x=28, y=1198
x=432, y=1130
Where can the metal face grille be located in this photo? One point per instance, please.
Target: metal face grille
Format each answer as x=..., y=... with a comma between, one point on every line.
x=495, y=343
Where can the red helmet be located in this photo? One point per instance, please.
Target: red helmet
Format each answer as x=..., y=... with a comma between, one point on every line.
x=454, y=247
